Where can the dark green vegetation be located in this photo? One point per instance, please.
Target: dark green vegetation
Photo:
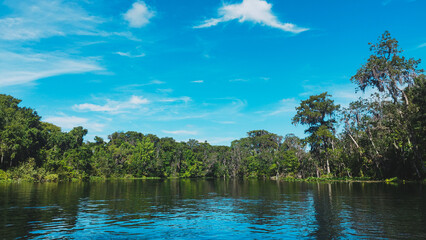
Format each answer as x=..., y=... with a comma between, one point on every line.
x=383, y=136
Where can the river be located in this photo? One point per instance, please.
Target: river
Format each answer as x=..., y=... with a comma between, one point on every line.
x=212, y=209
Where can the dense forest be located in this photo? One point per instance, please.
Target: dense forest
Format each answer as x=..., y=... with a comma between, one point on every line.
x=380, y=137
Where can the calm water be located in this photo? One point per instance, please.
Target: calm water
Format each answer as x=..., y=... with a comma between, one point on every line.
x=212, y=209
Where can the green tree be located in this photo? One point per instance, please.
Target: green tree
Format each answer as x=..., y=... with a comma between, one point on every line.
x=417, y=119
x=387, y=70
x=142, y=158
x=20, y=132
x=296, y=146
x=318, y=113
x=393, y=76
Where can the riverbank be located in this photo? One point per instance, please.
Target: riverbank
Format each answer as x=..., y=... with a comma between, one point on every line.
x=394, y=180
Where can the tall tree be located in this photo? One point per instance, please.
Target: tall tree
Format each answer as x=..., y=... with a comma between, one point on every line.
x=394, y=76
x=318, y=113
x=387, y=70
x=417, y=95
x=20, y=132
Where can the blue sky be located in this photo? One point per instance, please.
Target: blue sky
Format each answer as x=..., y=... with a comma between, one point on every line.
x=207, y=70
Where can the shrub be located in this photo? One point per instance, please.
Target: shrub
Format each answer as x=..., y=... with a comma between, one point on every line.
x=51, y=177
x=3, y=175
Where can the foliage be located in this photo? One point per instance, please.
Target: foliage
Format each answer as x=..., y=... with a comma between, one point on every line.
x=3, y=175
x=385, y=133
x=387, y=70
x=318, y=113
x=51, y=177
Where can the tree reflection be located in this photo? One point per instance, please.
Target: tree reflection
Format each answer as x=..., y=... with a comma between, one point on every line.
x=231, y=208
x=327, y=212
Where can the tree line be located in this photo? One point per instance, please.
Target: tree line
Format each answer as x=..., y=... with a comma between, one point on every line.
x=381, y=136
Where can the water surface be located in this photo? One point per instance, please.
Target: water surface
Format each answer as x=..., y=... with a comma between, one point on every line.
x=212, y=209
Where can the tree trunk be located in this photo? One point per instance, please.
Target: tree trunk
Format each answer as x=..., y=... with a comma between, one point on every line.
x=328, y=167
x=371, y=140
x=353, y=140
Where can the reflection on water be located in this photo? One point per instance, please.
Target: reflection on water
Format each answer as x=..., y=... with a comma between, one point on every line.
x=208, y=209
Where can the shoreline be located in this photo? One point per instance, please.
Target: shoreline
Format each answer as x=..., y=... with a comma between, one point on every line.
x=284, y=179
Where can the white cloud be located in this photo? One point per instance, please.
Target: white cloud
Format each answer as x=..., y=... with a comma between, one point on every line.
x=342, y=94
x=138, y=100
x=256, y=11
x=422, y=45
x=69, y=122
x=198, y=81
x=181, y=132
x=165, y=90
x=22, y=68
x=36, y=19
x=155, y=82
x=95, y=108
x=174, y=110
x=285, y=106
x=113, y=106
x=184, y=99
x=124, y=54
x=130, y=55
x=139, y=15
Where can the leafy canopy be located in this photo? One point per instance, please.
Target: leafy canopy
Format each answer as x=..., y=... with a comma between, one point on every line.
x=387, y=70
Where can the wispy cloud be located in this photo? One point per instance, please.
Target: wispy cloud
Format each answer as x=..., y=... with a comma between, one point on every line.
x=22, y=68
x=130, y=55
x=184, y=108
x=96, y=108
x=285, y=106
x=132, y=87
x=198, y=81
x=138, y=15
x=181, y=132
x=36, y=19
x=69, y=122
x=343, y=94
x=256, y=11
x=113, y=106
x=155, y=82
x=165, y=90
x=138, y=100
x=422, y=45
x=171, y=115
x=33, y=20
x=155, y=107
x=184, y=99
